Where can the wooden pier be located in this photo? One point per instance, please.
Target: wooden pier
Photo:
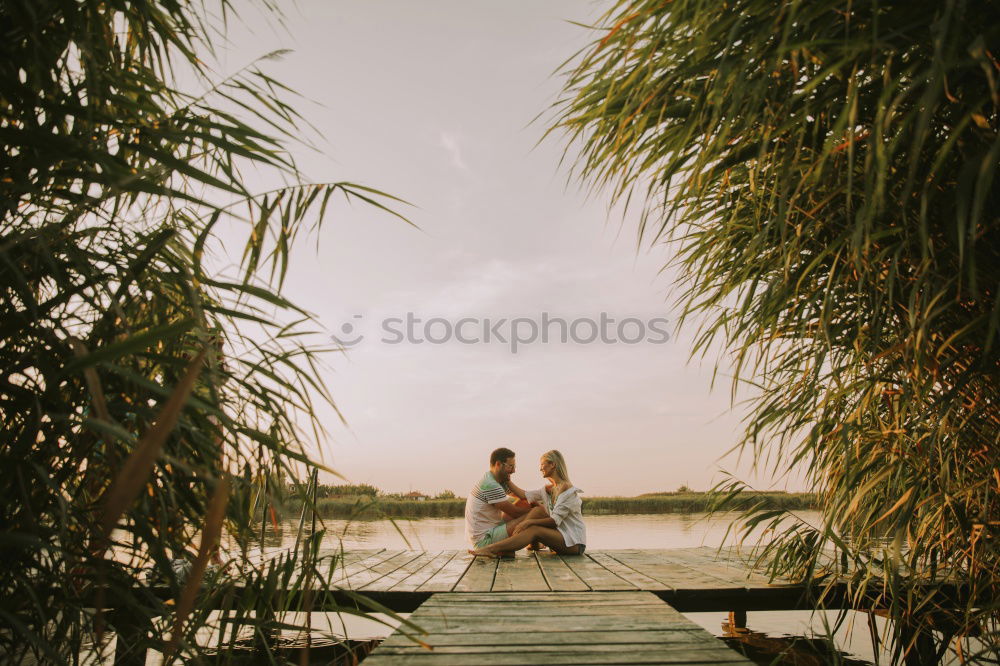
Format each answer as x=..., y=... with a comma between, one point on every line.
x=541, y=628
x=689, y=579
x=604, y=607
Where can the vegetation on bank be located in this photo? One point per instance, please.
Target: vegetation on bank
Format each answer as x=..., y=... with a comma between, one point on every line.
x=372, y=507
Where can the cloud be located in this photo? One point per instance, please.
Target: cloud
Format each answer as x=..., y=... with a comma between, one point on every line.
x=449, y=142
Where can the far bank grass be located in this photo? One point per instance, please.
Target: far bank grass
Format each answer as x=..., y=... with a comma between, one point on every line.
x=694, y=502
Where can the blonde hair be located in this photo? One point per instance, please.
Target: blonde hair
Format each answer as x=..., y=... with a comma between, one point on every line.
x=557, y=459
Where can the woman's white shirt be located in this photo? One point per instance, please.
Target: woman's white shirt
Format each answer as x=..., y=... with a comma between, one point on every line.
x=567, y=512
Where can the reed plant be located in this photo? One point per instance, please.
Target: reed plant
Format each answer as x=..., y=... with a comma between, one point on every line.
x=368, y=509
x=149, y=402
x=825, y=175
x=692, y=503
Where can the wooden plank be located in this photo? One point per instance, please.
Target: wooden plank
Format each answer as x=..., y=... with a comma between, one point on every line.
x=620, y=654
x=733, y=556
x=685, y=569
x=558, y=576
x=704, y=560
x=676, y=641
x=446, y=578
x=743, y=556
x=640, y=580
x=519, y=574
x=342, y=571
x=616, y=641
x=425, y=573
x=478, y=577
x=524, y=598
x=330, y=565
x=594, y=575
x=446, y=623
x=390, y=579
x=351, y=556
x=492, y=609
x=362, y=578
x=537, y=596
x=537, y=641
x=341, y=559
x=349, y=567
x=534, y=609
x=728, y=561
x=674, y=575
x=552, y=628
x=526, y=639
x=594, y=601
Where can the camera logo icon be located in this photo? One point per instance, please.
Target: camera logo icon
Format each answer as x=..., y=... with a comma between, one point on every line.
x=349, y=335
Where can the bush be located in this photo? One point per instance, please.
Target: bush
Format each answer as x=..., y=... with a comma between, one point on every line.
x=347, y=490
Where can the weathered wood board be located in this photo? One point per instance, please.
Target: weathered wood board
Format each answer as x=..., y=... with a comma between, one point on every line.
x=525, y=628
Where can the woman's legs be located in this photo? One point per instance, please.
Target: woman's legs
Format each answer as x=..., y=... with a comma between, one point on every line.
x=550, y=537
x=536, y=512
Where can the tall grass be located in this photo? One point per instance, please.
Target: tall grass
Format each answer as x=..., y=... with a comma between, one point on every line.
x=148, y=400
x=691, y=503
x=826, y=176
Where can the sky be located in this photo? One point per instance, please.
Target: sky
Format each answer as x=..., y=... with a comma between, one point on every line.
x=436, y=102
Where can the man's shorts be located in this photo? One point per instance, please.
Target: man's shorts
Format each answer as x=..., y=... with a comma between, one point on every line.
x=497, y=533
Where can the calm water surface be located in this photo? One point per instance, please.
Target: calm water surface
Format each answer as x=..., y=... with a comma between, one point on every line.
x=671, y=530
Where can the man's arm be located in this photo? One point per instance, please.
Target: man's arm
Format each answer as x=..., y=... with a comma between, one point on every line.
x=512, y=509
x=514, y=490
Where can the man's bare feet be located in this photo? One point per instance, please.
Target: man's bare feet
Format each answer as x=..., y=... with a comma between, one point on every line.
x=535, y=546
x=482, y=552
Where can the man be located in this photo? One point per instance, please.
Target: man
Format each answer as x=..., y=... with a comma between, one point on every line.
x=489, y=513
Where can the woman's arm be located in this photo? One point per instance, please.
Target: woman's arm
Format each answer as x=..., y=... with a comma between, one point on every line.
x=536, y=497
x=565, y=506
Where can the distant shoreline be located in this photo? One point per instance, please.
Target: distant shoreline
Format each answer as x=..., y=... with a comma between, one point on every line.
x=368, y=508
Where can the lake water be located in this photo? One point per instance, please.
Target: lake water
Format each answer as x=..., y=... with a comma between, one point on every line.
x=672, y=530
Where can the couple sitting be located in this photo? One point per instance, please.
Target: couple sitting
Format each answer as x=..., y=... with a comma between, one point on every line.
x=550, y=516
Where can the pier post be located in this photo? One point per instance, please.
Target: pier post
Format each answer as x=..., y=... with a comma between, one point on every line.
x=738, y=621
x=130, y=631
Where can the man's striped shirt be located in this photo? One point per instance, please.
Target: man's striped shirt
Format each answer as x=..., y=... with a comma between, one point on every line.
x=480, y=513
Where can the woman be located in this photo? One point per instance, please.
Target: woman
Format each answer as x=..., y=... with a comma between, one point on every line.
x=557, y=521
